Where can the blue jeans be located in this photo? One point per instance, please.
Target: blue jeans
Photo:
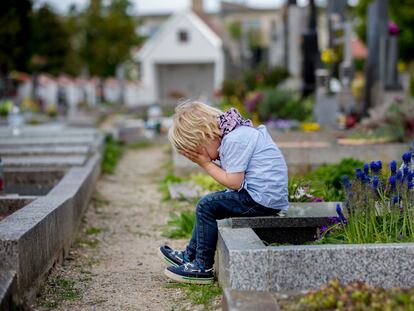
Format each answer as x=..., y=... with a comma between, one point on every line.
x=214, y=206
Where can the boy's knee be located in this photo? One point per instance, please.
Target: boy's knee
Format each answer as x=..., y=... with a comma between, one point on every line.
x=202, y=205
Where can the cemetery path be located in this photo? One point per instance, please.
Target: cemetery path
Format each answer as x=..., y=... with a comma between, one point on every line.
x=114, y=263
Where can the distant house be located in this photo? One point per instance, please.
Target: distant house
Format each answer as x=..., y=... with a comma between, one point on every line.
x=183, y=59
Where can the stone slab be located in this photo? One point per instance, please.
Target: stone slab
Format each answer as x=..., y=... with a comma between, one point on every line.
x=35, y=236
x=301, y=267
x=7, y=284
x=298, y=215
x=41, y=140
x=238, y=300
x=61, y=161
x=10, y=204
x=184, y=190
x=44, y=151
x=383, y=265
x=54, y=129
x=31, y=181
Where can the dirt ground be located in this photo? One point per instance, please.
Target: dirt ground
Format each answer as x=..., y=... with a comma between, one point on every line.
x=113, y=264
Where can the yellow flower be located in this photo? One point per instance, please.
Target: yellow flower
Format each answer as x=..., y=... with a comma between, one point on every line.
x=328, y=56
x=310, y=126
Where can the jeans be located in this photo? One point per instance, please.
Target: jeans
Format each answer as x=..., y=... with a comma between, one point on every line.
x=214, y=206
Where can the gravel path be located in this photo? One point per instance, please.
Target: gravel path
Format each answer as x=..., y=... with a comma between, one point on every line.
x=113, y=265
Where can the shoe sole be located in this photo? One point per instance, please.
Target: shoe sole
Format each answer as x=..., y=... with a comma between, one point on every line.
x=166, y=259
x=188, y=280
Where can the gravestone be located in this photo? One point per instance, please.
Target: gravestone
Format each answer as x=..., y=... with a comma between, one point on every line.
x=381, y=65
x=310, y=52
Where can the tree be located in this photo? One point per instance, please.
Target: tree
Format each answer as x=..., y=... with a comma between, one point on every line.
x=14, y=35
x=109, y=36
x=50, y=41
x=402, y=13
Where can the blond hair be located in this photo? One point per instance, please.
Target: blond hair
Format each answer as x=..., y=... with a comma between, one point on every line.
x=194, y=122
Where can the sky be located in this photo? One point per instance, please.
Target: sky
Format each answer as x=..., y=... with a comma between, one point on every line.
x=160, y=6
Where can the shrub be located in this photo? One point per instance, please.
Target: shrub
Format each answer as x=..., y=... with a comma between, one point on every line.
x=113, y=151
x=277, y=104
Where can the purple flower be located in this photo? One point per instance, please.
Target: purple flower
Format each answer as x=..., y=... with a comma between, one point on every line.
x=366, y=169
x=340, y=214
x=395, y=199
x=323, y=229
x=333, y=219
x=410, y=185
x=406, y=157
x=345, y=182
x=375, y=182
x=399, y=175
x=393, y=29
x=359, y=174
x=316, y=199
x=379, y=165
x=392, y=181
x=374, y=167
x=405, y=171
x=393, y=167
x=409, y=176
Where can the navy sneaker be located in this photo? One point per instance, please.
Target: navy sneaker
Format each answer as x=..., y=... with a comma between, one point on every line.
x=172, y=257
x=191, y=273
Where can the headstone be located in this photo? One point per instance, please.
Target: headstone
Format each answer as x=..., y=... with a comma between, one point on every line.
x=310, y=52
x=326, y=108
x=377, y=30
x=184, y=190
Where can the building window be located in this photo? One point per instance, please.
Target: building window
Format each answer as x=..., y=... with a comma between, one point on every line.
x=183, y=36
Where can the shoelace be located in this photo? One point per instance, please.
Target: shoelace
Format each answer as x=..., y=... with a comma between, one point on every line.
x=189, y=265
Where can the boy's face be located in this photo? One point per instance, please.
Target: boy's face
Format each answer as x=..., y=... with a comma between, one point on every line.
x=212, y=148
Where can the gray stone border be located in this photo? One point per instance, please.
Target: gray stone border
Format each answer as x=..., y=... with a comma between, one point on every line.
x=243, y=262
x=34, y=237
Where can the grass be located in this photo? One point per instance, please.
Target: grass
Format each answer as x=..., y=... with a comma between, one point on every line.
x=180, y=225
x=98, y=200
x=163, y=185
x=93, y=230
x=60, y=289
x=199, y=294
x=93, y=243
x=140, y=144
x=113, y=151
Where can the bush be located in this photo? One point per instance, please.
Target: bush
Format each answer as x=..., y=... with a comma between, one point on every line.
x=328, y=178
x=277, y=104
x=113, y=151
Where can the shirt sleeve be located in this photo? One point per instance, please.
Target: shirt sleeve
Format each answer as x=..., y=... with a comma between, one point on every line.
x=237, y=155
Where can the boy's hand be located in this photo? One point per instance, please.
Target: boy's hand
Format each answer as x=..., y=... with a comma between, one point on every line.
x=200, y=157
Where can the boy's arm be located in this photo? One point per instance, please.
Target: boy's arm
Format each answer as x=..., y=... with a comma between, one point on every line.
x=232, y=181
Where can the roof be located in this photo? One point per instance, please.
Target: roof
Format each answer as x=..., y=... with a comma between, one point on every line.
x=206, y=30
x=207, y=20
x=359, y=49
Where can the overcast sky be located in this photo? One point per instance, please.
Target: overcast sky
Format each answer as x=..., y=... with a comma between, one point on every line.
x=157, y=6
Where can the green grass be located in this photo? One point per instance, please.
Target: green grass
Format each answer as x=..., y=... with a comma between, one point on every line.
x=163, y=185
x=180, y=225
x=199, y=294
x=93, y=230
x=113, y=151
x=60, y=289
x=99, y=200
x=82, y=242
x=140, y=144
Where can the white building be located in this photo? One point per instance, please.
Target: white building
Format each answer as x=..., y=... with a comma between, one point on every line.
x=184, y=59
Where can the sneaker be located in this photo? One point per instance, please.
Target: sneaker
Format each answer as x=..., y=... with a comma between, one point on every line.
x=172, y=257
x=191, y=273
